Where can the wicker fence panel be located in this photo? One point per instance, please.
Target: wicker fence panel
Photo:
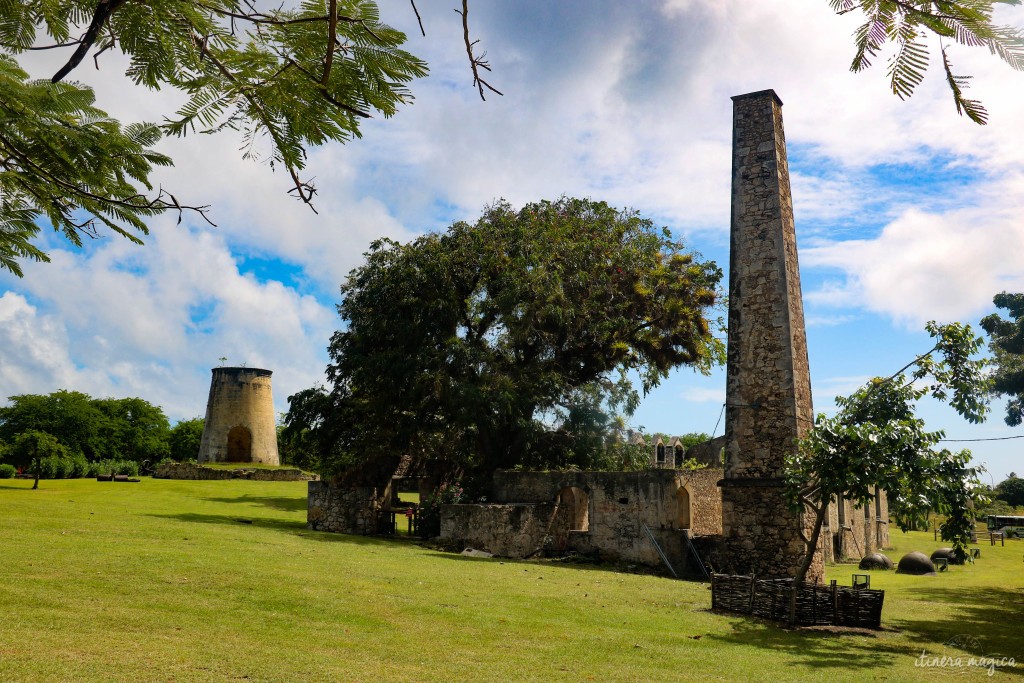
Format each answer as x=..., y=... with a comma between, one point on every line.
x=816, y=605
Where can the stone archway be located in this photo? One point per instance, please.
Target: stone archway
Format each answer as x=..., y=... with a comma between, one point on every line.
x=683, y=520
x=573, y=509
x=239, y=445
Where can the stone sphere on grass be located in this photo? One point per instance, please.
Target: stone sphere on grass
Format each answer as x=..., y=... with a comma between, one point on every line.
x=875, y=561
x=946, y=554
x=917, y=564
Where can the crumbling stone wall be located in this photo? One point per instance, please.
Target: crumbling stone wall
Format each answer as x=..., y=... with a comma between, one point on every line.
x=522, y=516
x=708, y=453
x=519, y=530
x=187, y=470
x=343, y=509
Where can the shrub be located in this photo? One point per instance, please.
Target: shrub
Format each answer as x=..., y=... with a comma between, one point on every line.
x=129, y=467
x=7, y=471
x=54, y=467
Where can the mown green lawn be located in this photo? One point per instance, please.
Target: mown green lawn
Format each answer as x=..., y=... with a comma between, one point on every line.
x=217, y=581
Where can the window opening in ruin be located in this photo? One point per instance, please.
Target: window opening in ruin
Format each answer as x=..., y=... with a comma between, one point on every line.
x=239, y=445
x=878, y=518
x=661, y=452
x=573, y=509
x=624, y=500
x=679, y=456
x=682, y=508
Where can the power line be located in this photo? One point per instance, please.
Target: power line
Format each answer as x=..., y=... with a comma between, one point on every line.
x=994, y=438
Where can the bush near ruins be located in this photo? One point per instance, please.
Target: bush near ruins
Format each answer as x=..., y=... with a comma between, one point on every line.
x=7, y=471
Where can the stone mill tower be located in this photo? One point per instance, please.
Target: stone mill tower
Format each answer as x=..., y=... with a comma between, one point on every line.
x=768, y=385
x=240, y=418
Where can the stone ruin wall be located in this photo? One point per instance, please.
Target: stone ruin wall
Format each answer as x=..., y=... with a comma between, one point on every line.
x=521, y=517
x=341, y=509
x=185, y=470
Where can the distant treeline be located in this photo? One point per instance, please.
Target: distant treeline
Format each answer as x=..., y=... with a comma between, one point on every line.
x=68, y=434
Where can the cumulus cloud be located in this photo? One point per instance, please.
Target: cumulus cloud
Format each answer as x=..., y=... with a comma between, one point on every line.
x=922, y=266
x=152, y=321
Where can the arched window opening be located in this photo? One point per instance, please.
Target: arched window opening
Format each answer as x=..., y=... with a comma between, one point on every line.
x=682, y=508
x=680, y=453
x=661, y=453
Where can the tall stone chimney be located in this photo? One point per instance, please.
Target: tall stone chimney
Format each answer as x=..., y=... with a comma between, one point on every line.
x=768, y=391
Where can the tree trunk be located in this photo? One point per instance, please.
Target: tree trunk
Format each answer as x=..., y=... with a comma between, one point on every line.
x=812, y=546
x=37, y=464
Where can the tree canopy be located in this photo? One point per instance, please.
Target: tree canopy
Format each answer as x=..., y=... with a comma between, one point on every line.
x=290, y=77
x=125, y=428
x=1006, y=342
x=876, y=441
x=1011, y=490
x=510, y=341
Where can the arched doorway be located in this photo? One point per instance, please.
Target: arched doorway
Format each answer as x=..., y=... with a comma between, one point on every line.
x=682, y=508
x=573, y=509
x=239, y=445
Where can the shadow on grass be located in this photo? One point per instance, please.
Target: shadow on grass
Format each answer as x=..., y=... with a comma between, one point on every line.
x=297, y=528
x=814, y=648
x=284, y=503
x=581, y=564
x=989, y=620
x=262, y=522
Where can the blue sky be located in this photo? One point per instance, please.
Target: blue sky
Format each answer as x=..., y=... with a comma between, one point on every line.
x=905, y=212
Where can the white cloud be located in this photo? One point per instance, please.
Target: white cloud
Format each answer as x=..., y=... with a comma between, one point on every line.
x=942, y=266
x=151, y=321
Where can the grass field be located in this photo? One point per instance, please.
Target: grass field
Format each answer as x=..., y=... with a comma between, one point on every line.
x=220, y=581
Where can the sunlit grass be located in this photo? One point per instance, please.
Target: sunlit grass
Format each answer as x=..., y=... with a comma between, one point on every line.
x=190, y=580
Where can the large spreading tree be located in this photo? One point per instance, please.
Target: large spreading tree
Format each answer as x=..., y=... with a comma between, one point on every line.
x=480, y=346
x=290, y=77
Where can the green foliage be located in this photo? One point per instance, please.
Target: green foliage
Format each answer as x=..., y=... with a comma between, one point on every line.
x=134, y=429
x=506, y=343
x=907, y=26
x=296, y=76
x=69, y=416
x=31, y=448
x=7, y=471
x=129, y=428
x=112, y=466
x=185, y=438
x=62, y=157
x=1011, y=491
x=877, y=441
x=1006, y=342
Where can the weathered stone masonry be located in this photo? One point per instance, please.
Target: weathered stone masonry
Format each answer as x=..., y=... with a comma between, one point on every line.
x=591, y=512
x=768, y=404
x=240, y=424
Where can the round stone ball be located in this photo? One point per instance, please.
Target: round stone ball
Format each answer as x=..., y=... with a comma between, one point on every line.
x=916, y=563
x=875, y=561
x=946, y=554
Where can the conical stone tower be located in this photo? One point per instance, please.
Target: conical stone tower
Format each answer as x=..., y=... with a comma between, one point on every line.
x=768, y=390
x=240, y=423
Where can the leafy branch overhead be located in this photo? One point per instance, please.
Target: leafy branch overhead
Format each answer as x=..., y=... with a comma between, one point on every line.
x=910, y=24
x=288, y=77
